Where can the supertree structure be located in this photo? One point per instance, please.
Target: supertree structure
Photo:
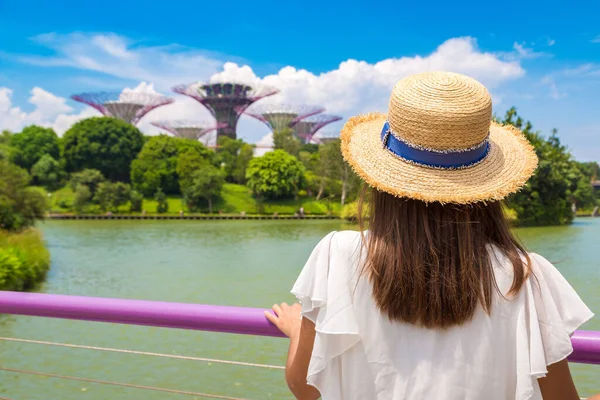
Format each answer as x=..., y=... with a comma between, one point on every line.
x=194, y=130
x=281, y=116
x=129, y=106
x=325, y=137
x=226, y=100
x=306, y=128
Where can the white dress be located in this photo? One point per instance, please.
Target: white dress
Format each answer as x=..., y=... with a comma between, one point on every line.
x=360, y=355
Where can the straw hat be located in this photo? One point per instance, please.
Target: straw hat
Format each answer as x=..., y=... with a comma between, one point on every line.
x=438, y=143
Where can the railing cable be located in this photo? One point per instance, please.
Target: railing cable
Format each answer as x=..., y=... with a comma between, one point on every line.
x=143, y=353
x=128, y=385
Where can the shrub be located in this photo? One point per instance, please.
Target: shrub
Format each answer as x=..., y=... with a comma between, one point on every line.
x=162, y=203
x=24, y=260
x=136, y=200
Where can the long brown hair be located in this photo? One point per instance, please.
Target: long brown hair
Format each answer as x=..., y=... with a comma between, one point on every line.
x=429, y=263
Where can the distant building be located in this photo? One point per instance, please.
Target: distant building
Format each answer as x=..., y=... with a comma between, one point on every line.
x=279, y=117
x=194, y=130
x=130, y=106
x=307, y=128
x=226, y=100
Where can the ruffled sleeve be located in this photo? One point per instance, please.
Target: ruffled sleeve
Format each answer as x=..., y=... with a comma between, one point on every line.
x=552, y=312
x=324, y=291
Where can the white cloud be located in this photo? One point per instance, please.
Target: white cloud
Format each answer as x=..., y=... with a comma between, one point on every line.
x=551, y=42
x=528, y=53
x=596, y=39
x=49, y=110
x=120, y=57
x=555, y=93
x=354, y=87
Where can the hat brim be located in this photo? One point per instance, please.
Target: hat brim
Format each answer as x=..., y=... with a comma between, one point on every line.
x=509, y=164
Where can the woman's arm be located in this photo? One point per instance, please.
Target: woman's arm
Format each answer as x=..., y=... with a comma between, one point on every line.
x=558, y=383
x=301, y=332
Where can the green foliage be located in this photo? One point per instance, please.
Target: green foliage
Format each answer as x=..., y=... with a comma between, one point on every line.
x=310, y=148
x=24, y=260
x=547, y=197
x=189, y=162
x=20, y=205
x=48, y=172
x=156, y=166
x=275, y=175
x=332, y=167
x=88, y=177
x=112, y=195
x=350, y=211
x=233, y=156
x=162, y=203
x=83, y=195
x=31, y=144
x=103, y=143
x=241, y=164
x=204, y=184
x=285, y=140
x=136, y=201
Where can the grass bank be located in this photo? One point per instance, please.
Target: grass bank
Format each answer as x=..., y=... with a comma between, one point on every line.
x=234, y=199
x=24, y=260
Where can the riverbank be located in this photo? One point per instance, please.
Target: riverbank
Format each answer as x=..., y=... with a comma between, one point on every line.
x=186, y=217
x=24, y=260
x=234, y=200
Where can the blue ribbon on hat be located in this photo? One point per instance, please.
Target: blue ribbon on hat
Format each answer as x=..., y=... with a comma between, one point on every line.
x=441, y=159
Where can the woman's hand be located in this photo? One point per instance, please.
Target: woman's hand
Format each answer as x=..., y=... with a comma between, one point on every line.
x=287, y=318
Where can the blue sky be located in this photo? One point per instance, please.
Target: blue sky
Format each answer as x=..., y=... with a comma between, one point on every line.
x=543, y=57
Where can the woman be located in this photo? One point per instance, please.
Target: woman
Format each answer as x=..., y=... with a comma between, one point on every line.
x=437, y=300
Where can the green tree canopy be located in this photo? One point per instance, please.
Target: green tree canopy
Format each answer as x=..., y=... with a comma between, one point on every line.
x=548, y=196
x=156, y=165
x=48, y=172
x=277, y=174
x=285, y=140
x=90, y=178
x=111, y=195
x=31, y=144
x=20, y=205
x=204, y=184
x=103, y=143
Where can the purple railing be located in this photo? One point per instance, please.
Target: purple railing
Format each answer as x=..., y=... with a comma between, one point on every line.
x=240, y=320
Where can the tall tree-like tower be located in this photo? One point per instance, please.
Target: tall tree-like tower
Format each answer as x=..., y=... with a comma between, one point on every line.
x=226, y=100
x=306, y=128
x=129, y=106
x=194, y=130
x=278, y=117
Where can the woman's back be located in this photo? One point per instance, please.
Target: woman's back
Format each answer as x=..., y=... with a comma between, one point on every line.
x=359, y=353
x=439, y=300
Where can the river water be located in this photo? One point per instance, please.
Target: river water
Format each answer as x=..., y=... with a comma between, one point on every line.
x=242, y=263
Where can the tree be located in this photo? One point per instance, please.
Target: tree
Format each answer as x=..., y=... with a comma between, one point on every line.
x=241, y=164
x=103, y=143
x=136, y=201
x=285, y=140
x=333, y=167
x=156, y=166
x=205, y=184
x=20, y=205
x=31, y=144
x=112, y=195
x=277, y=174
x=188, y=163
x=83, y=195
x=547, y=197
x=48, y=172
x=162, y=203
x=90, y=178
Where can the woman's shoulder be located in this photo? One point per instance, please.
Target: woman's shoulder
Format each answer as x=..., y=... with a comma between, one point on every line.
x=345, y=241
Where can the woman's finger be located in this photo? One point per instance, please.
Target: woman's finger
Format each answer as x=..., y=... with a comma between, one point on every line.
x=284, y=306
x=277, y=309
x=272, y=318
